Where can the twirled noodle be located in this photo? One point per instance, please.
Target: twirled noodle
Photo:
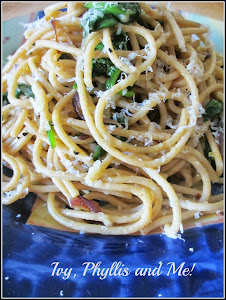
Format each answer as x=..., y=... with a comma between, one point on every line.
x=154, y=172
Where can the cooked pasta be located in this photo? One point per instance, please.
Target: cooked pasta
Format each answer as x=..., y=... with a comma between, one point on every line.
x=113, y=116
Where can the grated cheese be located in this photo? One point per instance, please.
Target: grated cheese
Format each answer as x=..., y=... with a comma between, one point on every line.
x=126, y=61
x=197, y=215
x=99, y=93
x=194, y=68
x=36, y=24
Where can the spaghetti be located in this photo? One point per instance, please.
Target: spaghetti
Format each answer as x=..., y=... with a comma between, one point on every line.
x=114, y=118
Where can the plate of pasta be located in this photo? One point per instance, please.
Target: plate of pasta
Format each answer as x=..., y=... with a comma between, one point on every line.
x=112, y=152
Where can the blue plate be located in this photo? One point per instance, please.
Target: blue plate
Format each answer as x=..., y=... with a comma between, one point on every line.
x=42, y=262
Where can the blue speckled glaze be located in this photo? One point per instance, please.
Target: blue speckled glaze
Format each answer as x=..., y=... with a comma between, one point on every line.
x=29, y=251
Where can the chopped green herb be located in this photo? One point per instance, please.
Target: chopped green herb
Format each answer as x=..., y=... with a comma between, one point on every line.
x=93, y=20
x=98, y=153
x=114, y=73
x=102, y=15
x=106, y=22
x=24, y=89
x=51, y=136
x=100, y=46
x=213, y=109
x=75, y=86
x=129, y=93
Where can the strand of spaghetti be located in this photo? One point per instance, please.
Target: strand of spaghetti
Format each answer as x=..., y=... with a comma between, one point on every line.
x=22, y=186
x=17, y=127
x=17, y=144
x=107, y=219
x=56, y=84
x=166, y=219
x=206, y=191
x=40, y=167
x=108, y=198
x=215, y=153
x=66, y=185
x=97, y=169
x=62, y=68
x=23, y=68
x=176, y=30
x=212, y=64
x=16, y=172
x=119, y=62
x=172, y=229
x=88, y=60
x=176, y=168
x=40, y=104
x=157, y=203
x=187, y=176
x=126, y=229
x=60, y=131
x=203, y=161
x=209, y=90
x=40, y=77
x=191, y=205
x=61, y=47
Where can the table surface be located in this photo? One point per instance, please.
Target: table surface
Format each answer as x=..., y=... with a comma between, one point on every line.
x=213, y=9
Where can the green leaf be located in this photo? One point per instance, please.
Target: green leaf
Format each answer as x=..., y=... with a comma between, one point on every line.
x=106, y=22
x=24, y=89
x=114, y=73
x=100, y=46
x=98, y=153
x=75, y=86
x=129, y=93
x=213, y=109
